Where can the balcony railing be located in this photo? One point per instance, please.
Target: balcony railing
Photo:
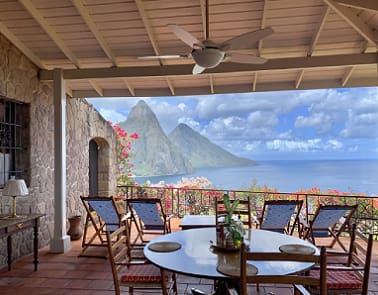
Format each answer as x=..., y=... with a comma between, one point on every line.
x=188, y=201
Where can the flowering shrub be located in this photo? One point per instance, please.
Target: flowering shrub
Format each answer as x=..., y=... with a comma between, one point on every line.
x=124, y=166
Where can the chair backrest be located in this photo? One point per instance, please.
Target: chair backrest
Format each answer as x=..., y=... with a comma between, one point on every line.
x=107, y=209
x=360, y=252
x=277, y=215
x=289, y=279
x=243, y=210
x=149, y=211
x=118, y=252
x=326, y=216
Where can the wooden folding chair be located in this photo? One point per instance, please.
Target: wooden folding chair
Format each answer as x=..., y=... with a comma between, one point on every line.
x=353, y=277
x=242, y=210
x=300, y=281
x=134, y=274
x=97, y=209
x=149, y=218
x=280, y=215
x=98, y=237
x=331, y=219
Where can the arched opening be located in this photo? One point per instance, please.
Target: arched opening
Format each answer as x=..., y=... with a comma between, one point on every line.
x=98, y=167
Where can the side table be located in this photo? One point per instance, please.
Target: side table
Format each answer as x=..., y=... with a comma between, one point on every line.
x=10, y=226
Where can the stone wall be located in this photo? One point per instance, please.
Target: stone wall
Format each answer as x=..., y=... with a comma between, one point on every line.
x=19, y=81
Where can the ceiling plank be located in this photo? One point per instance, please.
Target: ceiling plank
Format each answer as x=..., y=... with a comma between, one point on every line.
x=316, y=34
x=352, y=19
x=371, y=5
x=295, y=63
x=21, y=46
x=96, y=32
x=49, y=30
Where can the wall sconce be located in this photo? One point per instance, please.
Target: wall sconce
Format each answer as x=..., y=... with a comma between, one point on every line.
x=15, y=188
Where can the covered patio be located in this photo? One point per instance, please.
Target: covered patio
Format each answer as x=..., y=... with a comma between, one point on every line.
x=92, y=48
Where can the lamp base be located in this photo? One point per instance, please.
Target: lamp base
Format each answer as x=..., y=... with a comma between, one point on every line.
x=14, y=208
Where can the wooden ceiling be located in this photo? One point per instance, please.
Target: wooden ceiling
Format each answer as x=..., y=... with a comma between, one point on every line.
x=316, y=44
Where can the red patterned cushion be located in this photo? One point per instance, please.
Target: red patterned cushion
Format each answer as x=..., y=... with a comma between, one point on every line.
x=337, y=279
x=142, y=273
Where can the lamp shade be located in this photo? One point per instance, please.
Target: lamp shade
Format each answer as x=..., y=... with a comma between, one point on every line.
x=15, y=187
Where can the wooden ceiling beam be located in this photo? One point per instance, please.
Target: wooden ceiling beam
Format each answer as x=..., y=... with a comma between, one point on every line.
x=211, y=84
x=254, y=83
x=263, y=19
x=170, y=85
x=96, y=32
x=299, y=78
x=203, y=17
x=146, y=23
x=371, y=5
x=353, y=20
x=129, y=87
x=49, y=31
x=235, y=88
x=295, y=63
x=54, y=36
x=347, y=75
x=21, y=46
x=316, y=35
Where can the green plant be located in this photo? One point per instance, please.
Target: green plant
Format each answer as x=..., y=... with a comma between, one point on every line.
x=232, y=223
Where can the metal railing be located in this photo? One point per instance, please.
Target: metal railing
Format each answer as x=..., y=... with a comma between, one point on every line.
x=181, y=201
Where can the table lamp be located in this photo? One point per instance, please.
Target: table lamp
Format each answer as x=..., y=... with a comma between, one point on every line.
x=14, y=188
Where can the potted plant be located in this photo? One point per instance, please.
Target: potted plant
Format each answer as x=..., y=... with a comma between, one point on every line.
x=232, y=226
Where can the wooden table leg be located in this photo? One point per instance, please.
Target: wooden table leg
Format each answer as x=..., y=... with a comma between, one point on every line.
x=9, y=248
x=36, y=245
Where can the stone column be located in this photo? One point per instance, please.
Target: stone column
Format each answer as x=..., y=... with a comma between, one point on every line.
x=60, y=243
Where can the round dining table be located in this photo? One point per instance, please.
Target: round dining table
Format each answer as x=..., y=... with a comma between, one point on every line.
x=193, y=254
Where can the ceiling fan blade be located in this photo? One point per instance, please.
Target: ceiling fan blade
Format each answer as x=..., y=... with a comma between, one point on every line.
x=172, y=56
x=245, y=58
x=185, y=36
x=197, y=69
x=246, y=40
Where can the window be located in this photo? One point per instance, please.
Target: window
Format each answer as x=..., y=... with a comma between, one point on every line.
x=14, y=140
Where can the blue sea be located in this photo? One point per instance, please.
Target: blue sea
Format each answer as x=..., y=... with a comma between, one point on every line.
x=355, y=176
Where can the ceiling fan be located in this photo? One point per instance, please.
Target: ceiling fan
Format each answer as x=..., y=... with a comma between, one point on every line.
x=207, y=54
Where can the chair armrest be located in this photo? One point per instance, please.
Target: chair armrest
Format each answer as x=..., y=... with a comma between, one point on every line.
x=170, y=216
x=300, y=289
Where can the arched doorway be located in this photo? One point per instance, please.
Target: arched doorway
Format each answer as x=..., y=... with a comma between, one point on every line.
x=93, y=168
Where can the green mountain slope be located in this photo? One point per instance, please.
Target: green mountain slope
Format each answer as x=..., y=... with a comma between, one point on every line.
x=154, y=153
x=201, y=152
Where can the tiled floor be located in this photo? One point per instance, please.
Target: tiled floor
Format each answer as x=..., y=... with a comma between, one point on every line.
x=69, y=274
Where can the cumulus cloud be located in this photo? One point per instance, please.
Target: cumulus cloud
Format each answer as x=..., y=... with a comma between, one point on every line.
x=320, y=121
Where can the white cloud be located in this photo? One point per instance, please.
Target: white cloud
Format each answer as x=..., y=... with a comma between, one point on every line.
x=112, y=115
x=294, y=145
x=320, y=121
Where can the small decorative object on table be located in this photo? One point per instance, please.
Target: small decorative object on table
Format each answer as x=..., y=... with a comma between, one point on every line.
x=230, y=230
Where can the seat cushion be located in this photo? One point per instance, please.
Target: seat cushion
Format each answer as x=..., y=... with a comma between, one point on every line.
x=337, y=279
x=146, y=273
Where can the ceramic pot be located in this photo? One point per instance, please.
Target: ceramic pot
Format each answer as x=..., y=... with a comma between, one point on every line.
x=75, y=230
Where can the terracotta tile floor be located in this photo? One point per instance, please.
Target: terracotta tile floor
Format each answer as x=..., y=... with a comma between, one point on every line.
x=69, y=274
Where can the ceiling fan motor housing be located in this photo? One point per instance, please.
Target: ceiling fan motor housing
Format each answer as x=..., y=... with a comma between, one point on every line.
x=208, y=57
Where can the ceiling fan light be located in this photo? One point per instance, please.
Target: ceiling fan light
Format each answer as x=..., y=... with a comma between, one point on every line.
x=208, y=57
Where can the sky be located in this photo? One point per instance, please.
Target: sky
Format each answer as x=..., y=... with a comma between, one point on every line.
x=281, y=125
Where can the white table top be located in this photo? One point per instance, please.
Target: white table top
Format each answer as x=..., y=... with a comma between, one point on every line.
x=196, y=258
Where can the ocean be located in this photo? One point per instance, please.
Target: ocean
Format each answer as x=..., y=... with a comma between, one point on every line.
x=354, y=176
